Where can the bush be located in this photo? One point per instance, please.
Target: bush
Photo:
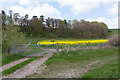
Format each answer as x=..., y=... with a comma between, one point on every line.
x=114, y=40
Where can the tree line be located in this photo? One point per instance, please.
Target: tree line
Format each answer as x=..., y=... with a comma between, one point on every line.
x=56, y=28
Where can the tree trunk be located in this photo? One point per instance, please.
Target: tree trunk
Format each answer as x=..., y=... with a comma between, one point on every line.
x=8, y=50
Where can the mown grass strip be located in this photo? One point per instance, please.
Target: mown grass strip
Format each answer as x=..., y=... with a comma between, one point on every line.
x=11, y=58
x=45, y=54
x=18, y=66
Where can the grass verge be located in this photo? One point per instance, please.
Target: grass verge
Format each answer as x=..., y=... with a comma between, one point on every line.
x=45, y=54
x=10, y=58
x=106, y=71
x=18, y=66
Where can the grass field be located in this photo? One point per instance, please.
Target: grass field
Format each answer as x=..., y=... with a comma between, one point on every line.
x=73, y=59
x=59, y=66
x=35, y=40
x=114, y=31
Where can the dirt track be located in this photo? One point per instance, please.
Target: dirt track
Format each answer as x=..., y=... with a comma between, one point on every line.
x=12, y=64
x=66, y=73
x=29, y=68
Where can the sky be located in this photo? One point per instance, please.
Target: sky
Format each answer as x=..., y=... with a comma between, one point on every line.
x=90, y=10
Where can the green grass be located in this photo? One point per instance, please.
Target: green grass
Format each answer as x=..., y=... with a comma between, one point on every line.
x=10, y=58
x=108, y=56
x=80, y=55
x=18, y=66
x=107, y=71
x=114, y=31
x=45, y=54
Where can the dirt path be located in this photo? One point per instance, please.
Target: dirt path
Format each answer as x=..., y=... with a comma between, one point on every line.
x=66, y=73
x=76, y=72
x=13, y=63
x=29, y=68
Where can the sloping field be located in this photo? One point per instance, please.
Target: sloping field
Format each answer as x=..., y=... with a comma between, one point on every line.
x=114, y=31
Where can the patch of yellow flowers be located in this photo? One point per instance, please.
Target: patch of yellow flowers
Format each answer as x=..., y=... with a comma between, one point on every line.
x=72, y=41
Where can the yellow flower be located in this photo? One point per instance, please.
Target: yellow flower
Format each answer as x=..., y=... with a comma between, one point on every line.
x=72, y=42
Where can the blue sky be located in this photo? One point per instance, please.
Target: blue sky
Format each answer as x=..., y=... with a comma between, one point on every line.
x=90, y=10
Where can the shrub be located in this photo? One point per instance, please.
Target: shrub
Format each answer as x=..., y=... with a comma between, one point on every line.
x=114, y=40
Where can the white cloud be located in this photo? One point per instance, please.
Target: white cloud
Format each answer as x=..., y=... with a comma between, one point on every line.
x=30, y=0
x=100, y=19
x=79, y=6
x=7, y=1
x=114, y=9
x=112, y=23
x=38, y=10
x=82, y=6
x=25, y=2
